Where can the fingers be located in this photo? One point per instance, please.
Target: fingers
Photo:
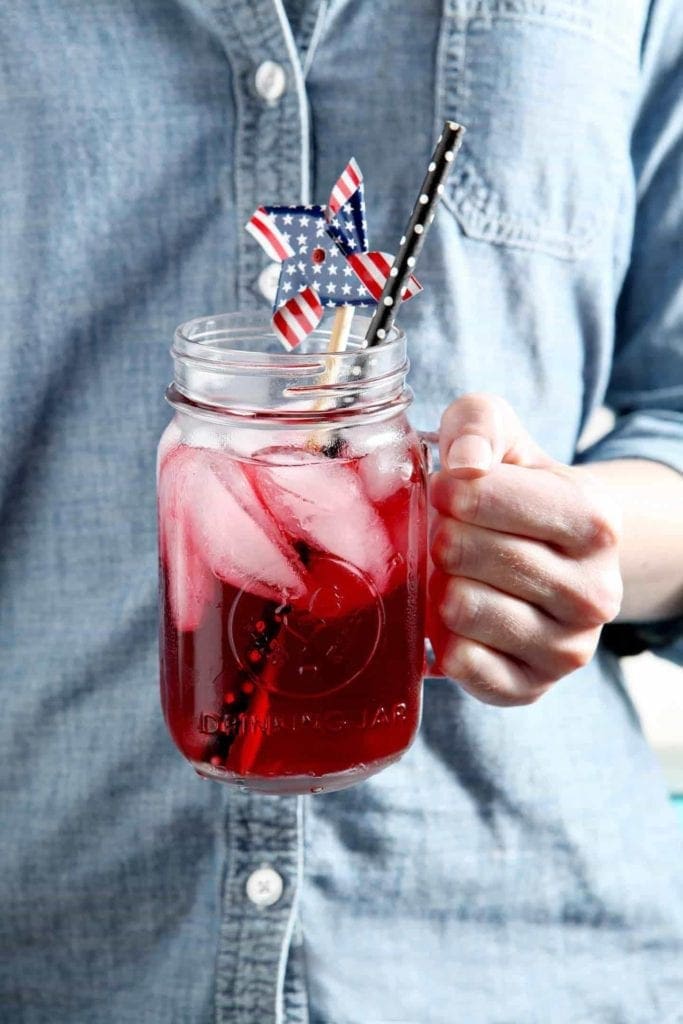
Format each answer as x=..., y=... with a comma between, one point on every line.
x=478, y=431
x=488, y=675
x=526, y=558
x=543, y=649
x=550, y=506
x=580, y=593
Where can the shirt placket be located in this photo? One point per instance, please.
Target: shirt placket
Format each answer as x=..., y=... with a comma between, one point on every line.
x=270, y=159
x=270, y=154
x=260, y=897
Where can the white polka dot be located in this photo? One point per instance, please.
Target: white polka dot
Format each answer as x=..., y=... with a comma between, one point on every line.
x=432, y=166
x=388, y=301
x=411, y=261
x=439, y=189
x=439, y=139
x=394, y=271
x=402, y=240
x=448, y=156
x=418, y=229
x=424, y=199
x=380, y=334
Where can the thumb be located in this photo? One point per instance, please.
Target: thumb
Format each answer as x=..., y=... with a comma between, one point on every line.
x=478, y=431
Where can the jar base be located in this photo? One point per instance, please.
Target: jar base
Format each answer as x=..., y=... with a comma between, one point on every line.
x=296, y=785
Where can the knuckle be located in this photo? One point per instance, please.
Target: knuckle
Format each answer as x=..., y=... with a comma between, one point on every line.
x=601, y=598
x=590, y=598
x=531, y=689
x=460, y=606
x=461, y=662
x=467, y=500
x=604, y=529
x=570, y=597
x=607, y=593
x=439, y=546
x=603, y=521
x=575, y=653
x=462, y=665
x=448, y=546
x=588, y=604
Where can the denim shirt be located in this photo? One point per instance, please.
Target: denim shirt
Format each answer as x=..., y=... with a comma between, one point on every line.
x=518, y=866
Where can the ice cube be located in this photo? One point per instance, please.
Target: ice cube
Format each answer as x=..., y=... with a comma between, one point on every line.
x=233, y=476
x=324, y=503
x=190, y=584
x=385, y=470
x=234, y=534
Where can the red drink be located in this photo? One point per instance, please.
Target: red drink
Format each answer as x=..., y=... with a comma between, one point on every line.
x=293, y=610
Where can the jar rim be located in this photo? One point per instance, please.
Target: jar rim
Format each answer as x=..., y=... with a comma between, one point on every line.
x=236, y=361
x=202, y=339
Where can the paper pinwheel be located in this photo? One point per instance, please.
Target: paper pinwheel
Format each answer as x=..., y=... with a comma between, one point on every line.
x=324, y=257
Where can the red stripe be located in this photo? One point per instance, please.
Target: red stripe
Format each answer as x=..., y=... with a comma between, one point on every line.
x=340, y=186
x=263, y=226
x=300, y=309
x=306, y=310
x=284, y=331
x=381, y=262
x=296, y=311
x=353, y=174
x=412, y=288
x=359, y=265
x=310, y=296
x=362, y=274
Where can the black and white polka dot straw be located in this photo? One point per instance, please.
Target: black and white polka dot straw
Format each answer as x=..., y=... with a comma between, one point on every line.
x=414, y=237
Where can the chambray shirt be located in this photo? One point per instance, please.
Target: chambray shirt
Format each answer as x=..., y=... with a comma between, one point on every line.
x=518, y=866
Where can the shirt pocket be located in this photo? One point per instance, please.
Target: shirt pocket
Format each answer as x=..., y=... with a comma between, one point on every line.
x=545, y=89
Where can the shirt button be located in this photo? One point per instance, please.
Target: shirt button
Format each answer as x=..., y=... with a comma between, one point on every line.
x=270, y=80
x=268, y=280
x=264, y=887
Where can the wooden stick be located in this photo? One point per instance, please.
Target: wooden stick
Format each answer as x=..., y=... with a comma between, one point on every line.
x=341, y=329
x=339, y=339
x=337, y=343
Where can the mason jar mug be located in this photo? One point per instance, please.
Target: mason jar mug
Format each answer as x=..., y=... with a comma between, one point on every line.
x=292, y=544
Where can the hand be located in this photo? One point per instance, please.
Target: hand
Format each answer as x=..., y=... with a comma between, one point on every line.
x=525, y=553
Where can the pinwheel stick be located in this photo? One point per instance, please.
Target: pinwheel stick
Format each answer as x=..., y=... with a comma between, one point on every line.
x=341, y=329
x=339, y=339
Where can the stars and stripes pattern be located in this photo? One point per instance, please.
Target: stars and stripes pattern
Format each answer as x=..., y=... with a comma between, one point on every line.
x=298, y=317
x=262, y=227
x=324, y=257
x=373, y=269
x=346, y=184
x=345, y=213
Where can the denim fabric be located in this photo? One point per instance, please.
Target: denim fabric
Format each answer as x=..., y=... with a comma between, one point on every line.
x=518, y=866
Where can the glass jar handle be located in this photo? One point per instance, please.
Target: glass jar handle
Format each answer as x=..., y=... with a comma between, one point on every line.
x=429, y=440
x=429, y=443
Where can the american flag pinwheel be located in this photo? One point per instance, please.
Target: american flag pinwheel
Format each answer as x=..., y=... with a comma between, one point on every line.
x=324, y=256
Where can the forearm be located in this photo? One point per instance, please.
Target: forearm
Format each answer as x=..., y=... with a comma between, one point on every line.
x=650, y=496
